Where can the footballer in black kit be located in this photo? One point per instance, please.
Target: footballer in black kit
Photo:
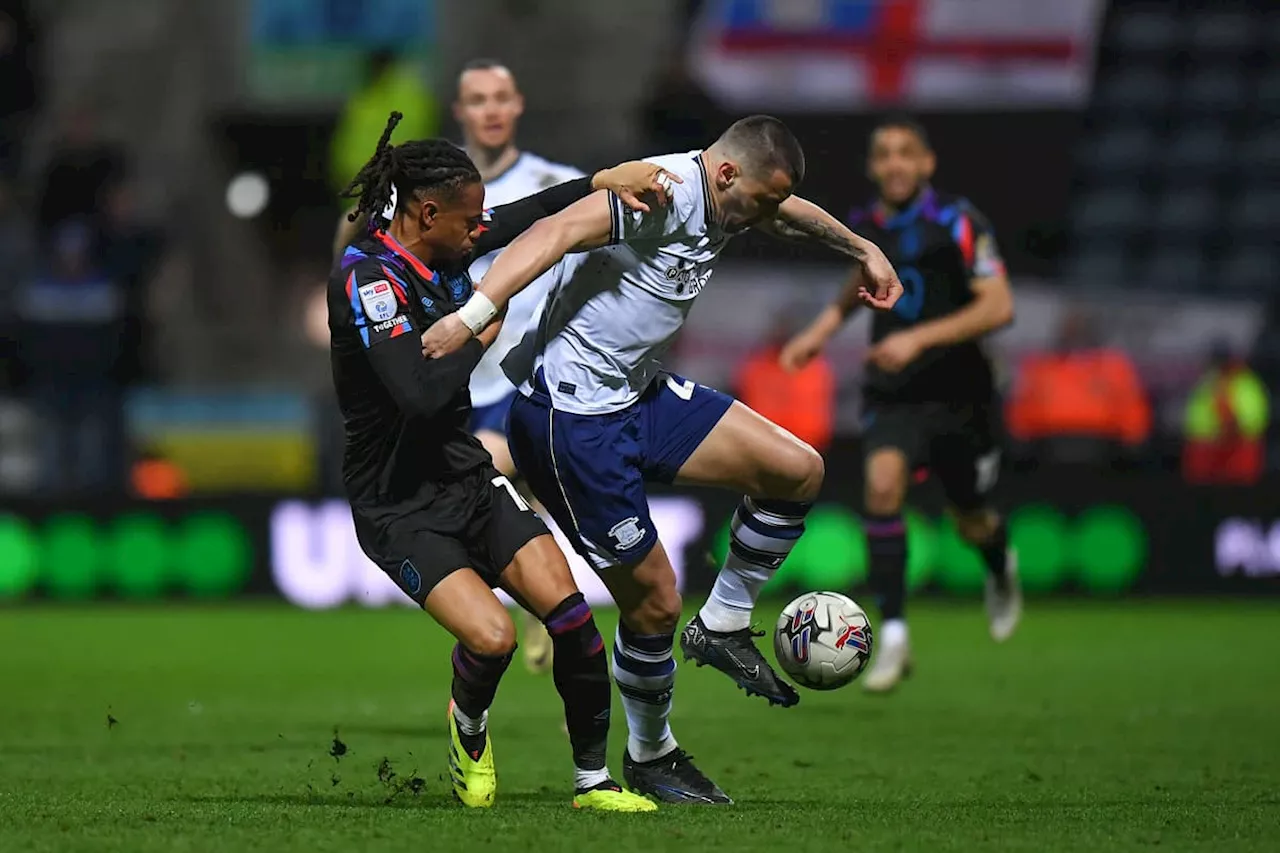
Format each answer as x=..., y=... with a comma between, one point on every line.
x=929, y=395
x=429, y=507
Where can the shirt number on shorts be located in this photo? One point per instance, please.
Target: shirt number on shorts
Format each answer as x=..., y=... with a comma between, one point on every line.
x=683, y=390
x=988, y=466
x=502, y=482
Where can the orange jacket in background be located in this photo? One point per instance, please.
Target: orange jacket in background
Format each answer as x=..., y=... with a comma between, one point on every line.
x=1093, y=393
x=802, y=403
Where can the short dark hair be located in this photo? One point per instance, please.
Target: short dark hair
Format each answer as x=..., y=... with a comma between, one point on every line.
x=420, y=164
x=767, y=143
x=901, y=121
x=484, y=63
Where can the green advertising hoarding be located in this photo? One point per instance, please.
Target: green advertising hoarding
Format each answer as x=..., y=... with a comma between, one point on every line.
x=1148, y=534
x=135, y=554
x=1102, y=550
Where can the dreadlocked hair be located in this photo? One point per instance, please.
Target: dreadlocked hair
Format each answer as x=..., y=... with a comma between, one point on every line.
x=434, y=164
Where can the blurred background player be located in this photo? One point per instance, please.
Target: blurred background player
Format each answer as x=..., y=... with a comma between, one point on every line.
x=488, y=109
x=929, y=392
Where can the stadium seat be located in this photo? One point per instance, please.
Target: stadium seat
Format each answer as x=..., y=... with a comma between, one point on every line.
x=1196, y=151
x=1256, y=212
x=1136, y=91
x=1098, y=266
x=1215, y=91
x=1181, y=268
x=1120, y=149
x=1155, y=30
x=1223, y=32
x=1184, y=214
x=1267, y=92
x=1107, y=211
x=1260, y=156
x=1252, y=268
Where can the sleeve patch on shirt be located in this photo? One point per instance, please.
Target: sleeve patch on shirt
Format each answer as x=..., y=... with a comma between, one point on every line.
x=379, y=300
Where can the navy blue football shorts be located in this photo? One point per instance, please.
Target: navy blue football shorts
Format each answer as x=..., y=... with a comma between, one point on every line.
x=492, y=417
x=589, y=471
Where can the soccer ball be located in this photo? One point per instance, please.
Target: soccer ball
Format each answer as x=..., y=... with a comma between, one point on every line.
x=823, y=640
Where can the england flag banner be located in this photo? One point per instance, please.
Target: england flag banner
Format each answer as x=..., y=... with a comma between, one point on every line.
x=842, y=55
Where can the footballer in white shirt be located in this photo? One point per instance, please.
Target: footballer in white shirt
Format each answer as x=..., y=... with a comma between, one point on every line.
x=488, y=109
x=597, y=416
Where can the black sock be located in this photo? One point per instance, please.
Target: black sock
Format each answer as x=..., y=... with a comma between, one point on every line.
x=581, y=674
x=995, y=551
x=475, y=682
x=887, y=546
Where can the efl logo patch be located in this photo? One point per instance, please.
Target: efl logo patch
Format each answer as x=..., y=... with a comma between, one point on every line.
x=627, y=533
x=379, y=301
x=410, y=578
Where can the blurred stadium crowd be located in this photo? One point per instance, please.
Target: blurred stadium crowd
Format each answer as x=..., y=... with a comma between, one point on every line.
x=161, y=334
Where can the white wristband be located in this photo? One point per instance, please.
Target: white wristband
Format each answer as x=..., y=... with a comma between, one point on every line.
x=477, y=313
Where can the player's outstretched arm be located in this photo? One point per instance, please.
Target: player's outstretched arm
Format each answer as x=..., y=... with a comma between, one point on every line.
x=630, y=181
x=586, y=224
x=804, y=220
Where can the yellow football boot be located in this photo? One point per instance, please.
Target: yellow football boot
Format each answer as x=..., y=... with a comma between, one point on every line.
x=475, y=783
x=609, y=797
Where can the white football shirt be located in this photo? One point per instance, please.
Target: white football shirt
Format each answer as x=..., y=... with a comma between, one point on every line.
x=530, y=174
x=613, y=312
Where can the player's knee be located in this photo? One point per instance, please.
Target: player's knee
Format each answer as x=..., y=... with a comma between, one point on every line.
x=976, y=526
x=810, y=470
x=493, y=636
x=802, y=472
x=657, y=613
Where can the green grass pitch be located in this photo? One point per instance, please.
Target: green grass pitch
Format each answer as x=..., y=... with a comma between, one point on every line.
x=1126, y=726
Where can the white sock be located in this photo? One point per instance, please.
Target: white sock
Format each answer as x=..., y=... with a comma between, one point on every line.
x=893, y=632
x=584, y=779
x=470, y=725
x=645, y=674
x=761, y=536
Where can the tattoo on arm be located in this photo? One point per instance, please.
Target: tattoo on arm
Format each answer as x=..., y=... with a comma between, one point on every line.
x=831, y=234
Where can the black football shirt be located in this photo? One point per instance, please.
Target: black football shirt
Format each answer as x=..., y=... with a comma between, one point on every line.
x=938, y=244
x=407, y=444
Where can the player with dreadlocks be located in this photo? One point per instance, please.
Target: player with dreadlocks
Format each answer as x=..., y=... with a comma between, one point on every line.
x=430, y=509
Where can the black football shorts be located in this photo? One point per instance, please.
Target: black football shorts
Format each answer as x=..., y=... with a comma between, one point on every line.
x=959, y=443
x=480, y=528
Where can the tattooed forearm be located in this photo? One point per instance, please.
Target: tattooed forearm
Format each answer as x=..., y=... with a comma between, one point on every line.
x=798, y=219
